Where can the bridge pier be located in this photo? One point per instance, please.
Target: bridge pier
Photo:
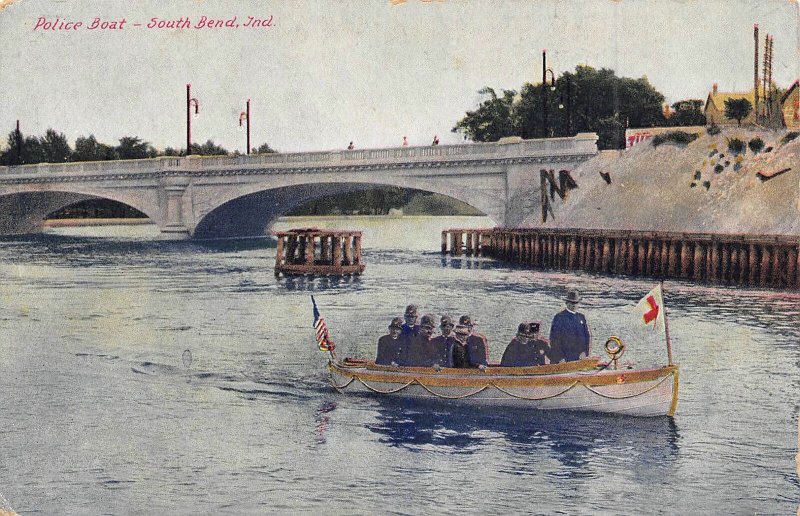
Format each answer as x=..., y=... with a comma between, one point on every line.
x=174, y=228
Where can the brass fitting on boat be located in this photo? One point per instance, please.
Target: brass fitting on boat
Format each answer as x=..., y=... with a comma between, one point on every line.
x=614, y=348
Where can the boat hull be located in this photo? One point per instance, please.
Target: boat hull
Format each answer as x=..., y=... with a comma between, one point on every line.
x=634, y=392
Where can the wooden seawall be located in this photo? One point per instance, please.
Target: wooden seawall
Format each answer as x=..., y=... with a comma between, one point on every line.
x=763, y=260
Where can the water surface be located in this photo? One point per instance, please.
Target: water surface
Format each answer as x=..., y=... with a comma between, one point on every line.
x=104, y=411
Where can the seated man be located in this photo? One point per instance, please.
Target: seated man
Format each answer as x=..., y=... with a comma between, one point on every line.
x=540, y=345
x=476, y=345
x=451, y=350
x=391, y=347
x=410, y=326
x=569, y=333
x=422, y=350
x=518, y=353
x=527, y=348
x=458, y=350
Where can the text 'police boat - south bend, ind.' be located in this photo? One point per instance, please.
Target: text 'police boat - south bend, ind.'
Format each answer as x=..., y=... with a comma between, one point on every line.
x=583, y=385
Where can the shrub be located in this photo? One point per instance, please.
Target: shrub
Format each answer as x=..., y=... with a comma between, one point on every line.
x=735, y=145
x=790, y=136
x=756, y=144
x=679, y=137
x=713, y=129
x=718, y=169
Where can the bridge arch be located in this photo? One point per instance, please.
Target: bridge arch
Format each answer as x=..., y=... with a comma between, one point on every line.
x=252, y=214
x=24, y=210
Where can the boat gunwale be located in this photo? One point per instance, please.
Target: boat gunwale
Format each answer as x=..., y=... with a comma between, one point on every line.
x=447, y=377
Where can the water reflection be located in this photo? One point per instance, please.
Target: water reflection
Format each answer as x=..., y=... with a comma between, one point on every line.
x=649, y=446
x=317, y=283
x=468, y=263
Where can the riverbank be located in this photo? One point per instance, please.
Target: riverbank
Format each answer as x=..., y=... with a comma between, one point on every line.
x=702, y=187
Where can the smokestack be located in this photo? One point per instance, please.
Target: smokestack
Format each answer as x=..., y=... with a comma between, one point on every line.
x=714, y=88
x=755, y=70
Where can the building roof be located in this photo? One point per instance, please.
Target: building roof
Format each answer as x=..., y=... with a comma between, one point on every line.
x=719, y=98
x=789, y=91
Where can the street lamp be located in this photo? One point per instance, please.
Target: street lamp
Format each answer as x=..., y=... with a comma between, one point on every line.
x=568, y=81
x=189, y=101
x=245, y=115
x=545, y=69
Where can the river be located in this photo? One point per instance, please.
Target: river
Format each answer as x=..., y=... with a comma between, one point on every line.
x=182, y=377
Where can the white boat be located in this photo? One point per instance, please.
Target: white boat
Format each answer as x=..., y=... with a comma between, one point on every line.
x=583, y=385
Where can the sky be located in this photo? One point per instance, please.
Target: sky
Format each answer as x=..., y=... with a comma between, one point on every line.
x=327, y=72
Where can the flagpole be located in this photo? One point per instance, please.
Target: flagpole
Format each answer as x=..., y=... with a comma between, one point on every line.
x=666, y=326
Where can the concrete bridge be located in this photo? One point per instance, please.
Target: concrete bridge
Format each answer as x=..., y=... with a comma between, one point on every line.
x=222, y=196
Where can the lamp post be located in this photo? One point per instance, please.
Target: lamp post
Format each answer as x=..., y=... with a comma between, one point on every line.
x=568, y=81
x=245, y=115
x=545, y=69
x=189, y=101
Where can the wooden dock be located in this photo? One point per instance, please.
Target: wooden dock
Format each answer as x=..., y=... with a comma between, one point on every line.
x=313, y=251
x=748, y=260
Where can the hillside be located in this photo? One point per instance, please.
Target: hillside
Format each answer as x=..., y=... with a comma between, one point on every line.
x=651, y=188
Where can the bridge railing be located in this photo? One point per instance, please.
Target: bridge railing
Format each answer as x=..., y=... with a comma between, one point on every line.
x=582, y=144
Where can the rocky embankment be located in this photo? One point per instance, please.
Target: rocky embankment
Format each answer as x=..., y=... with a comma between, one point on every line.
x=702, y=187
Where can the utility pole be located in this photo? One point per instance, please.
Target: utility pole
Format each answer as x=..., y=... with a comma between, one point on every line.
x=18, y=137
x=755, y=72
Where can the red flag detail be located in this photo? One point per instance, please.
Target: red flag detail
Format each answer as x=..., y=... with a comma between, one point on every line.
x=653, y=313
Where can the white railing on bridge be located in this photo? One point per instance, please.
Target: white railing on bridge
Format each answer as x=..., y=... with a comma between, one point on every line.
x=582, y=144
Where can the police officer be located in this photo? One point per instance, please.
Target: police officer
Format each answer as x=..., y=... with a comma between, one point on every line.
x=410, y=326
x=527, y=348
x=476, y=345
x=421, y=348
x=451, y=350
x=569, y=333
x=518, y=352
x=391, y=347
x=459, y=350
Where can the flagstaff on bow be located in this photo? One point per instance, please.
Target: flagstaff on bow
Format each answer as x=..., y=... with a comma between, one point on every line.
x=324, y=340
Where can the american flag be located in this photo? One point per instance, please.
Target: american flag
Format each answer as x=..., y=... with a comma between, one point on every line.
x=321, y=330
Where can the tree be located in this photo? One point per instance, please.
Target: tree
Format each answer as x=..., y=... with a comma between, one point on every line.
x=13, y=155
x=588, y=100
x=738, y=109
x=492, y=120
x=209, y=149
x=132, y=147
x=88, y=149
x=264, y=149
x=687, y=112
x=55, y=147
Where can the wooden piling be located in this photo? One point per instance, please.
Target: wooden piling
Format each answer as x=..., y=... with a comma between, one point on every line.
x=763, y=277
x=698, y=265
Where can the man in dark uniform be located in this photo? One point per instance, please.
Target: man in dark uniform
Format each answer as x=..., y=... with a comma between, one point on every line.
x=410, y=327
x=518, y=353
x=459, y=349
x=527, y=348
x=569, y=333
x=422, y=350
x=452, y=351
x=477, y=347
x=391, y=347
